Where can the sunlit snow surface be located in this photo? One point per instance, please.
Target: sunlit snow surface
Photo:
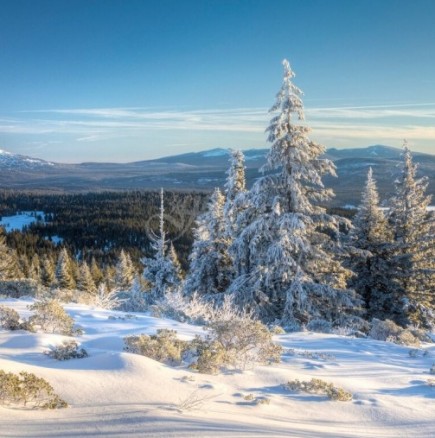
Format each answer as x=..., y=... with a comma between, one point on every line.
x=116, y=394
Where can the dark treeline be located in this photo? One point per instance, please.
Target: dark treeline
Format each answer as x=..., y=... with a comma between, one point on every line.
x=99, y=225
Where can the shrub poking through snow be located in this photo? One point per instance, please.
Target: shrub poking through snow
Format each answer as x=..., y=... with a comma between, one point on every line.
x=29, y=391
x=239, y=343
x=67, y=350
x=50, y=317
x=163, y=346
x=257, y=400
x=389, y=331
x=318, y=386
x=246, y=342
x=9, y=319
x=432, y=369
x=211, y=356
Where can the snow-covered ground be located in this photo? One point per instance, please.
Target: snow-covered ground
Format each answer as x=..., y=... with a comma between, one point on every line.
x=19, y=221
x=113, y=393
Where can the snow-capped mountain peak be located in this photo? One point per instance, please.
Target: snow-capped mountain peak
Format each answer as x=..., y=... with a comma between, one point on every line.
x=13, y=161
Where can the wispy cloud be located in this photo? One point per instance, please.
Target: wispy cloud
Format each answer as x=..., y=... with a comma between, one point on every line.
x=331, y=125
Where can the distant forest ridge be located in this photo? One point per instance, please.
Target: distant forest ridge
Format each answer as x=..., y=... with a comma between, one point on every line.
x=203, y=171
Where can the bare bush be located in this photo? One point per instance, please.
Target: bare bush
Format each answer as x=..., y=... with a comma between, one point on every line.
x=29, y=391
x=194, y=401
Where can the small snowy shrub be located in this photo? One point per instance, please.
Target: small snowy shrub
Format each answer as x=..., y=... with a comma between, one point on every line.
x=27, y=390
x=319, y=326
x=246, y=342
x=257, y=400
x=238, y=343
x=67, y=350
x=318, y=386
x=432, y=369
x=164, y=346
x=389, y=331
x=211, y=356
x=50, y=317
x=9, y=319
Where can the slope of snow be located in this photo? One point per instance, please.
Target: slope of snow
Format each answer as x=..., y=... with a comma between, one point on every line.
x=113, y=393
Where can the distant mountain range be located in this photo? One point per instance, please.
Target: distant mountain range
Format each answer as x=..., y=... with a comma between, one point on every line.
x=202, y=171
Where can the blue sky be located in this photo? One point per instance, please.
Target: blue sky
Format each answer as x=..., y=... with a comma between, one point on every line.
x=105, y=80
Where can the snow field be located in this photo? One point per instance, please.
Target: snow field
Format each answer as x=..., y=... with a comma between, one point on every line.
x=113, y=393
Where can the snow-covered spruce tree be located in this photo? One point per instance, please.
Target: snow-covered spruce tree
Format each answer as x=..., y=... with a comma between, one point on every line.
x=35, y=268
x=97, y=275
x=414, y=248
x=9, y=268
x=372, y=236
x=175, y=262
x=125, y=272
x=235, y=186
x=287, y=235
x=160, y=273
x=85, y=281
x=48, y=277
x=63, y=273
x=211, y=268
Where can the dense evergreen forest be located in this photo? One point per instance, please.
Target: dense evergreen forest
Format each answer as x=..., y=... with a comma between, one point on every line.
x=99, y=225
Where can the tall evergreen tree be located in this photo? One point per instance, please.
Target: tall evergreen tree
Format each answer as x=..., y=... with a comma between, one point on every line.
x=235, y=186
x=287, y=232
x=125, y=272
x=371, y=265
x=86, y=282
x=97, y=275
x=210, y=269
x=35, y=268
x=414, y=243
x=159, y=272
x=175, y=262
x=48, y=277
x=9, y=268
x=64, y=274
